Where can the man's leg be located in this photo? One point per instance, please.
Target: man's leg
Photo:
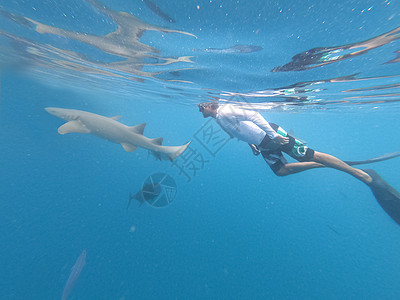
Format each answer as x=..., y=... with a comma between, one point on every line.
x=309, y=159
x=335, y=163
x=320, y=160
x=386, y=195
x=293, y=168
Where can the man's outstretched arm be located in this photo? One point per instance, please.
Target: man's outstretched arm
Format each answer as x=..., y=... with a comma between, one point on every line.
x=258, y=119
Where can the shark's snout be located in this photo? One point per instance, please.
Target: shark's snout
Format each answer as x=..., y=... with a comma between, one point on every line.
x=58, y=112
x=51, y=110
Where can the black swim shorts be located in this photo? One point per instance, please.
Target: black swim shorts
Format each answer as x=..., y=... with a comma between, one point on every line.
x=273, y=154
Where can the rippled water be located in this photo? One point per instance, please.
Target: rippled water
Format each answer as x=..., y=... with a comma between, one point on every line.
x=267, y=54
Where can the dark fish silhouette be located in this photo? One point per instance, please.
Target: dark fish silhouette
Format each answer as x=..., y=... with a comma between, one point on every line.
x=235, y=49
x=333, y=229
x=73, y=277
x=148, y=193
x=157, y=10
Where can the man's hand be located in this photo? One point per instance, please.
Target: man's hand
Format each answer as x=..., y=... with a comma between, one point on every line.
x=281, y=140
x=255, y=149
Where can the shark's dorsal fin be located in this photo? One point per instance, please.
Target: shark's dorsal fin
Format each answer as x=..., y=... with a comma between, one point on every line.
x=128, y=147
x=116, y=118
x=157, y=141
x=138, y=128
x=73, y=126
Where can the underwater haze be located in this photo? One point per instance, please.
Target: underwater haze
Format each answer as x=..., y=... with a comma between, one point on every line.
x=81, y=218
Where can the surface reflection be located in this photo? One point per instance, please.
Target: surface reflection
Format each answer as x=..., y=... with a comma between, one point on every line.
x=320, y=93
x=129, y=57
x=321, y=56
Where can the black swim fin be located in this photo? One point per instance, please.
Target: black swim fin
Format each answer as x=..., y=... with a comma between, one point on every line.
x=386, y=195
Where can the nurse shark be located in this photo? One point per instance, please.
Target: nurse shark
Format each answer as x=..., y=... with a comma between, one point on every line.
x=130, y=137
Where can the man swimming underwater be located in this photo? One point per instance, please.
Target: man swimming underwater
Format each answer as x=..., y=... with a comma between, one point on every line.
x=271, y=140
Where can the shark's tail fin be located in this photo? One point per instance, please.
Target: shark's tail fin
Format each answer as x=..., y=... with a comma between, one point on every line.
x=177, y=151
x=170, y=152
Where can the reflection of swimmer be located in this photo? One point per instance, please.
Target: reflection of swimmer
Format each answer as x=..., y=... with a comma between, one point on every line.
x=271, y=141
x=320, y=56
x=234, y=49
x=305, y=93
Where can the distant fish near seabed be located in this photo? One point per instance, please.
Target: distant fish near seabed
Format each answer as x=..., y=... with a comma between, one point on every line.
x=73, y=277
x=333, y=229
x=234, y=49
x=157, y=10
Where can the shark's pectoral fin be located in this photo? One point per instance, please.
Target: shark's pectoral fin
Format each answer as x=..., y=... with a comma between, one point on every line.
x=157, y=141
x=73, y=126
x=116, y=118
x=128, y=147
x=139, y=129
x=157, y=155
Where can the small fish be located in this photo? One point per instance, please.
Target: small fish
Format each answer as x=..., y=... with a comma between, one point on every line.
x=148, y=193
x=74, y=275
x=333, y=229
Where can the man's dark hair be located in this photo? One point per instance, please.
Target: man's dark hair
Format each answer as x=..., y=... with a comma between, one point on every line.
x=213, y=105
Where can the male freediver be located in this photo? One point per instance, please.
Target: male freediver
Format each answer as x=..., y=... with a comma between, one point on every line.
x=271, y=140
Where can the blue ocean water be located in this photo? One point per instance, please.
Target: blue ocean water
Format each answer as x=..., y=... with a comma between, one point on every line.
x=327, y=70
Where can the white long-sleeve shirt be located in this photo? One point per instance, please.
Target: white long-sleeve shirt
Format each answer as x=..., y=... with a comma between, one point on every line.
x=246, y=125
